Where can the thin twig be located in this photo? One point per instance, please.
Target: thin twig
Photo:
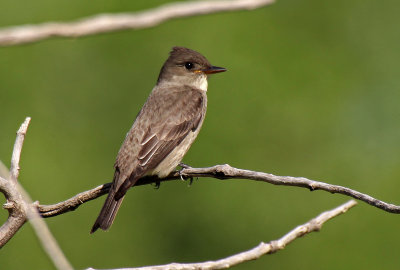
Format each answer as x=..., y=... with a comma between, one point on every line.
x=105, y=23
x=16, y=155
x=313, y=225
x=222, y=172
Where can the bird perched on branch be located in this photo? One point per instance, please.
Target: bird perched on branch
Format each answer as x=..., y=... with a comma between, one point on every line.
x=164, y=129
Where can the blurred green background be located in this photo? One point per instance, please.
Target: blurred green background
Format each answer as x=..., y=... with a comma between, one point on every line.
x=312, y=90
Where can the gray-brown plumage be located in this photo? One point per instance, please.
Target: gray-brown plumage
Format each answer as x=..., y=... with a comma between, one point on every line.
x=164, y=129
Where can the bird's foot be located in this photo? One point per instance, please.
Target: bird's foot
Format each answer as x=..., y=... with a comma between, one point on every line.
x=190, y=181
x=183, y=178
x=157, y=185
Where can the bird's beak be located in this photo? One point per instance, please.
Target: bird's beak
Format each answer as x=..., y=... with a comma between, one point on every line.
x=213, y=70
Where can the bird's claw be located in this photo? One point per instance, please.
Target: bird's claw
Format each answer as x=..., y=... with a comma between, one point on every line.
x=157, y=184
x=190, y=181
x=182, y=176
x=183, y=166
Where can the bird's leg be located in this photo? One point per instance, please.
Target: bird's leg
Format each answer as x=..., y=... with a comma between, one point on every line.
x=157, y=184
x=190, y=181
x=185, y=166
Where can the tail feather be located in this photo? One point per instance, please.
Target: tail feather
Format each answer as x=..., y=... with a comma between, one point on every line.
x=114, y=199
x=121, y=191
x=110, y=206
x=107, y=213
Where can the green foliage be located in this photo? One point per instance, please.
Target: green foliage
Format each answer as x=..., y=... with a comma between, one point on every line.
x=312, y=90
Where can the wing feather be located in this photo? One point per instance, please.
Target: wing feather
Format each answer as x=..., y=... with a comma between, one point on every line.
x=167, y=135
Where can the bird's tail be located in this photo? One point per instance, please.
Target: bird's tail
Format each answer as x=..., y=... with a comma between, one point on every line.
x=110, y=208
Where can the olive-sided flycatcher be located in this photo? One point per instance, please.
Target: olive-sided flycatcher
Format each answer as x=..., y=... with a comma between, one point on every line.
x=164, y=129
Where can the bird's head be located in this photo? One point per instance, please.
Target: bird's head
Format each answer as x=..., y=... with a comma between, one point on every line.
x=187, y=67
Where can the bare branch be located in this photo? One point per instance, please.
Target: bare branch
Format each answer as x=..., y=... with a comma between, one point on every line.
x=21, y=208
x=222, y=172
x=105, y=23
x=74, y=202
x=16, y=211
x=313, y=225
x=15, y=204
x=226, y=172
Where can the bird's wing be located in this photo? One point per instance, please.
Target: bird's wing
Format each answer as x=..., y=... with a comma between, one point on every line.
x=158, y=130
x=178, y=114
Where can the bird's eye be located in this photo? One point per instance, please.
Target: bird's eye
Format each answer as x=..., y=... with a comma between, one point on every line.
x=189, y=65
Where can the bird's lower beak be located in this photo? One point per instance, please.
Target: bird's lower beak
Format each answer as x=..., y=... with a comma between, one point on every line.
x=213, y=70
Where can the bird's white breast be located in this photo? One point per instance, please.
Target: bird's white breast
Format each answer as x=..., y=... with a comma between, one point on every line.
x=172, y=160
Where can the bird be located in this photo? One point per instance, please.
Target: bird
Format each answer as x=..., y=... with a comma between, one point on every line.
x=164, y=129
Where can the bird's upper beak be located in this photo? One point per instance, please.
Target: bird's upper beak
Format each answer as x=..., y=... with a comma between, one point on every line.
x=213, y=70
